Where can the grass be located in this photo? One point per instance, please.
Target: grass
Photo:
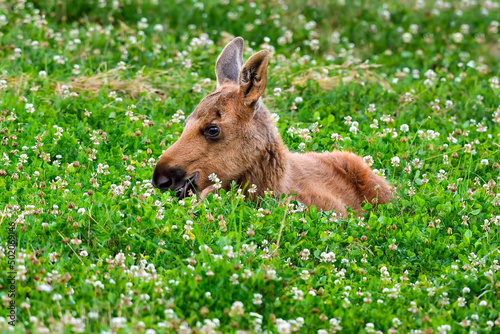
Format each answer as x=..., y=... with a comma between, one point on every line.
x=90, y=93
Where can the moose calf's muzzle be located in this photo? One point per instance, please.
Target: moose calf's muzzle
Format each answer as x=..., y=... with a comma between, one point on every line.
x=174, y=178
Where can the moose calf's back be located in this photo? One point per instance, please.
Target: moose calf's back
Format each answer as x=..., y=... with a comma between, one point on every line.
x=231, y=134
x=331, y=181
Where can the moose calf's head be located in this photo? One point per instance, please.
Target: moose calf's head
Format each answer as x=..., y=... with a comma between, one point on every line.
x=226, y=133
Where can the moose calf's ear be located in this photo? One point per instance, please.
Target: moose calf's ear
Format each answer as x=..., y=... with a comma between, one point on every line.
x=253, y=77
x=229, y=62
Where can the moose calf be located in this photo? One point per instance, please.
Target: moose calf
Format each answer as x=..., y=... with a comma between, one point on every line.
x=231, y=134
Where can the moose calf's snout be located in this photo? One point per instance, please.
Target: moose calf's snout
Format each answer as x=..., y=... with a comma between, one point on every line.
x=162, y=182
x=166, y=178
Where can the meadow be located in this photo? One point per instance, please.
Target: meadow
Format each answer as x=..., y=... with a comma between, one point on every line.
x=92, y=92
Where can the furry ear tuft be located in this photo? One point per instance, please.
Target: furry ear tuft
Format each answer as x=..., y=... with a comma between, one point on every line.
x=253, y=77
x=230, y=61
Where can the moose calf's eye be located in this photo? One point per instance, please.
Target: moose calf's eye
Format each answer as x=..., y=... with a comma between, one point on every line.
x=212, y=131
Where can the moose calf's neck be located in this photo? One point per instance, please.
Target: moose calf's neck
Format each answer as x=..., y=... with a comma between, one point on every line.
x=268, y=170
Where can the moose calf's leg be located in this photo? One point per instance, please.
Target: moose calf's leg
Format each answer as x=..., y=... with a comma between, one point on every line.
x=206, y=191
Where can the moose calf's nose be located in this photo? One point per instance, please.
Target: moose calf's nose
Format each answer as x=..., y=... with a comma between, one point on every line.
x=162, y=182
x=167, y=178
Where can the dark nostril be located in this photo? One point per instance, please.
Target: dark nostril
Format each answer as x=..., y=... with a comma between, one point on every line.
x=165, y=185
x=164, y=182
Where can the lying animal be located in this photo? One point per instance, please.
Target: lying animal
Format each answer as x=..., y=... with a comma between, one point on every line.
x=231, y=134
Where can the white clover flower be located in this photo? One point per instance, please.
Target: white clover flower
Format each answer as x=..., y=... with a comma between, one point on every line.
x=465, y=28
x=335, y=37
x=253, y=189
x=29, y=108
x=385, y=14
x=196, y=88
x=495, y=83
x=327, y=257
x=143, y=23
x=457, y=37
x=414, y=28
x=395, y=161
x=234, y=279
x=444, y=329
x=310, y=25
x=17, y=53
x=305, y=275
x=368, y=160
x=59, y=59
x=430, y=74
x=314, y=44
x=76, y=69
x=121, y=66
x=98, y=284
x=471, y=64
x=93, y=315
x=297, y=294
x=370, y=327
x=283, y=327
x=275, y=118
x=257, y=299
x=118, y=322
x=237, y=309
x=217, y=183
x=354, y=127
x=187, y=63
x=304, y=254
x=407, y=37
x=178, y=116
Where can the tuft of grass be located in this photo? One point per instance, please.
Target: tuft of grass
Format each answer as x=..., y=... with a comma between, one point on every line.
x=333, y=76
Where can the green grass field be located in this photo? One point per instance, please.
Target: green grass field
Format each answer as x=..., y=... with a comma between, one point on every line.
x=92, y=92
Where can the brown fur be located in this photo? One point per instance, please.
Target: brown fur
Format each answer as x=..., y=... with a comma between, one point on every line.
x=249, y=150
